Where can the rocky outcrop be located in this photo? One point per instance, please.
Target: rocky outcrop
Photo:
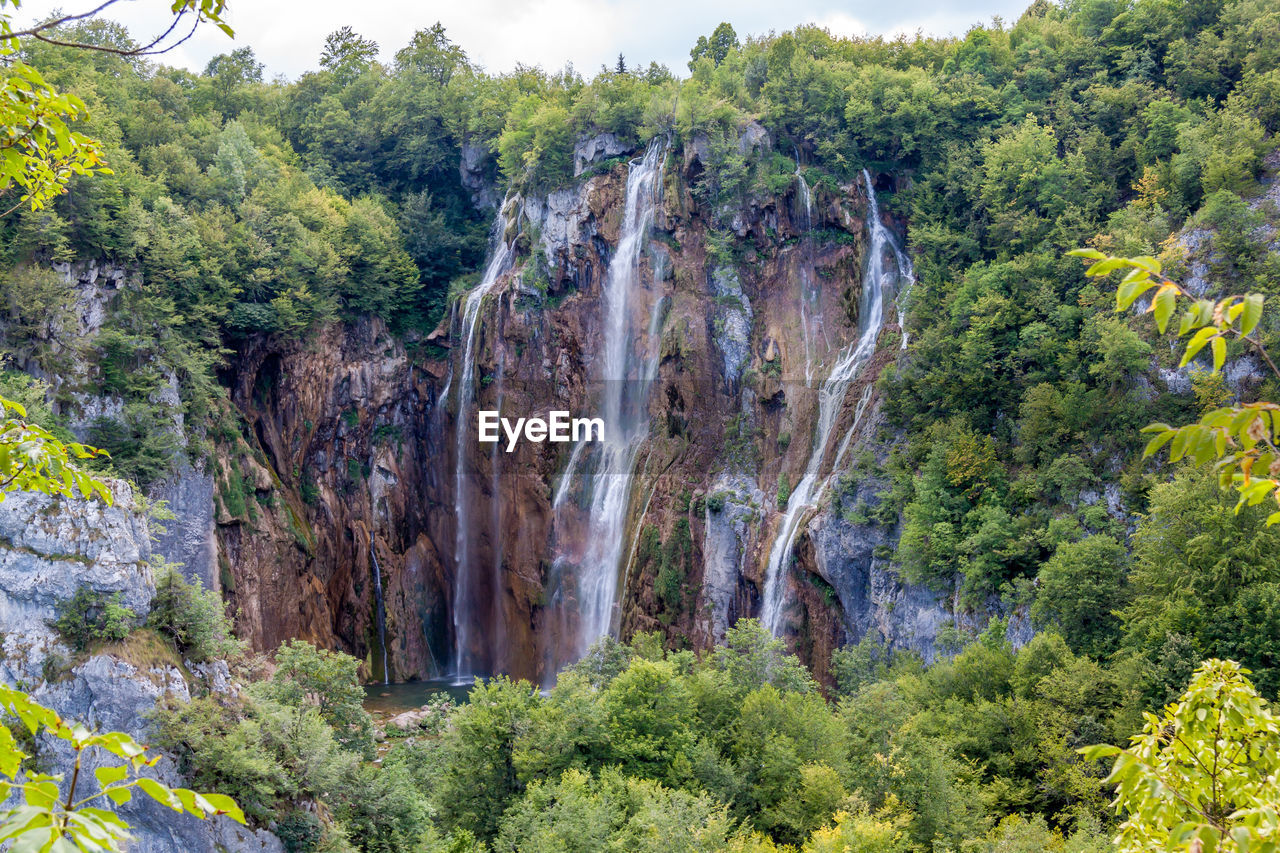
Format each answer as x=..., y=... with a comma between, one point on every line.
x=48, y=549
x=596, y=148
x=475, y=171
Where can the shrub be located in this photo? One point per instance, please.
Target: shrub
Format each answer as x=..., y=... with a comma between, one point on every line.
x=93, y=617
x=300, y=831
x=195, y=618
x=784, y=490
x=306, y=675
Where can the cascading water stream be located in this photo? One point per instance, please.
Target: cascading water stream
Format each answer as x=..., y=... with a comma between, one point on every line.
x=380, y=611
x=627, y=370
x=879, y=278
x=806, y=279
x=464, y=607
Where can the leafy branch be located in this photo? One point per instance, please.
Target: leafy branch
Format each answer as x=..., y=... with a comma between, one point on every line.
x=32, y=459
x=1240, y=442
x=47, y=820
x=200, y=11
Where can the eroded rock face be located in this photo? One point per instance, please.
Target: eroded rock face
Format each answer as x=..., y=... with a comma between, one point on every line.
x=727, y=414
x=49, y=548
x=343, y=464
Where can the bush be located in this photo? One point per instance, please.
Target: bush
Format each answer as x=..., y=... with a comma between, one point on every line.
x=784, y=490
x=195, y=618
x=330, y=680
x=300, y=831
x=93, y=617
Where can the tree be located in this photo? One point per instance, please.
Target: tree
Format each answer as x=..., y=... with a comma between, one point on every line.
x=723, y=39
x=329, y=680
x=230, y=71
x=347, y=54
x=195, y=618
x=1080, y=588
x=1202, y=775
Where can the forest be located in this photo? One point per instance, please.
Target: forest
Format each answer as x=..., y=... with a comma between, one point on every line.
x=254, y=209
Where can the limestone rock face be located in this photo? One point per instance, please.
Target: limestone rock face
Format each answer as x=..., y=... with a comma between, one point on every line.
x=48, y=548
x=189, y=538
x=595, y=148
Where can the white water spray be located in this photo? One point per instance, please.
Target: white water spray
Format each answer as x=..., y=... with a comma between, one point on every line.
x=464, y=607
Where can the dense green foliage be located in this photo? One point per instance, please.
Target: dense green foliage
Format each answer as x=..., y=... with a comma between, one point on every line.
x=90, y=617
x=193, y=617
x=734, y=750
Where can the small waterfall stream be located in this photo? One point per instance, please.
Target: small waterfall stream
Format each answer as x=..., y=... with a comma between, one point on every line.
x=380, y=610
x=465, y=608
x=628, y=366
x=806, y=272
x=880, y=276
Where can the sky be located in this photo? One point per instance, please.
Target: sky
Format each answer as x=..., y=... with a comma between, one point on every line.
x=287, y=35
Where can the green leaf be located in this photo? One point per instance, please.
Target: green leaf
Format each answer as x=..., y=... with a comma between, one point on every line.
x=225, y=805
x=1219, y=353
x=159, y=793
x=1163, y=306
x=1197, y=343
x=1091, y=254
x=1154, y=445
x=110, y=775
x=1252, y=313
x=1101, y=268
x=1147, y=263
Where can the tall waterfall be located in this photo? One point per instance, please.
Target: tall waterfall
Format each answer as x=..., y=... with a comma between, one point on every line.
x=592, y=549
x=886, y=268
x=465, y=607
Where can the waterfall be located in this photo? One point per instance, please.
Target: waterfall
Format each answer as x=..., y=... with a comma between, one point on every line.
x=381, y=611
x=879, y=277
x=464, y=606
x=806, y=276
x=628, y=366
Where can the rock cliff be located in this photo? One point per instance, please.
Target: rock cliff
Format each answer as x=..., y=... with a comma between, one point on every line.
x=340, y=453
x=48, y=549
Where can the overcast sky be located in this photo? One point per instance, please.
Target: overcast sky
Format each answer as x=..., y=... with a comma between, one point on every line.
x=287, y=34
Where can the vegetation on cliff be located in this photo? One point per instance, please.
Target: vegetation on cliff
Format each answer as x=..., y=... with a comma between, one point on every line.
x=250, y=208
